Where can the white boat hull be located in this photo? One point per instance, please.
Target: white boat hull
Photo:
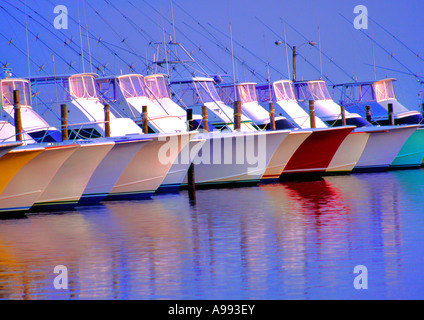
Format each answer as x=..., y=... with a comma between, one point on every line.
x=28, y=184
x=146, y=171
x=384, y=144
x=110, y=169
x=349, y=153
x=283, y=154
x=66, y=188
x=178, y=171
x=235, y=157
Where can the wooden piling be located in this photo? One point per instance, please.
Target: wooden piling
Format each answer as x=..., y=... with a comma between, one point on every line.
x=64, y=121
x=312, y=113
x=272, y=116
x=17, y=115
x=368, y=113
x=190, y=174
x=237, y=115
x=144, y=116
x=343, y=112
x=205, y=118
x=107, y=121
x=391, y=114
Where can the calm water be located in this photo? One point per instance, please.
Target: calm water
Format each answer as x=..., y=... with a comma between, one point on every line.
x=282, y=241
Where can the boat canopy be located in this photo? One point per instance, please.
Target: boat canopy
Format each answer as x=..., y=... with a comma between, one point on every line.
x=284, y=91
x=311, y=90
x=7, y=88
x=367, y=91
x=82, y=86
x=197, y=91
x=157, y=86
x=245, y=92
x=132, y=86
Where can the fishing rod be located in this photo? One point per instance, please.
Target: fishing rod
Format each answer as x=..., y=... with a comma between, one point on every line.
x=417, y=55
x=267, y=64
x=66, y=43
x=391, y=55
x=38, y=38
x=99, y=40
x=123, y=39
x=398, y=71
x=299, y=54
x=188, y=39
x=219, y=44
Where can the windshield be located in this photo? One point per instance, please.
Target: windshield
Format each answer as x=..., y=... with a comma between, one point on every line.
x=284, y=91
x=7, y=88
x=206, y=91
x=157, y=87
x=384, y=90
x=246, y=93
x=319, y=91
x=312, y=91
x=82, y=87
x=132, y=86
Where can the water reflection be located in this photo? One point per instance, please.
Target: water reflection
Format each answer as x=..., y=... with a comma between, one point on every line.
x=293, y=240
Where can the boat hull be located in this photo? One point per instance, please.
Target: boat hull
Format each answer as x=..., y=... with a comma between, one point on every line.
x=66, y=188
x=148, y=168
x=283, y=154
x=175, y=177
x=384, y=144
x=109, y=170
x=10, y=166
x=28, y=184
x=348, y=154
x=315, y=154
x=412, y=153
x=228, y=159
x=6, y=147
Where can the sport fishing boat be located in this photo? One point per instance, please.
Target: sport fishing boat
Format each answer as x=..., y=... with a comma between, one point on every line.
x=384, y=143
x=133, y=178
x=326, y=150
x=31, y=167
x=59, y=161
x=129, y=94
x=200, y=91
x=377, y=95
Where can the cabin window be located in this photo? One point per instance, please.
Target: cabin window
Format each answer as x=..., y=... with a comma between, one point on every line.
x=246, y=93
x=366, y=92
x=157, y=87
x=319, y=91
x=207, y=91
x=284, y=91
x=7, y=92
x=263, y=94
x=82, y=87
x=384, y=90
x=302, y=92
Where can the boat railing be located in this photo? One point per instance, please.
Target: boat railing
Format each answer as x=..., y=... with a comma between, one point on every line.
x=76, y=132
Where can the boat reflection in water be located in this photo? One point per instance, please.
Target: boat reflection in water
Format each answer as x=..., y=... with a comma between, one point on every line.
x=297, y=240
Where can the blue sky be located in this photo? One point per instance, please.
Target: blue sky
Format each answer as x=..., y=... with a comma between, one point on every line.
x=205, y=31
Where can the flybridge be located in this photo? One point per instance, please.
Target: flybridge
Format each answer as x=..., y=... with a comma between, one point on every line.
x=311, y=90
x=367, y=91
x=377, y=95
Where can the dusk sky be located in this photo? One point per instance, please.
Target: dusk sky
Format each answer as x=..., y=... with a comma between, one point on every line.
x=129, y=29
